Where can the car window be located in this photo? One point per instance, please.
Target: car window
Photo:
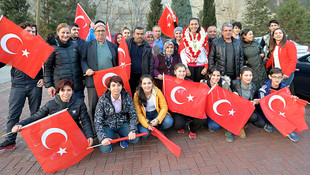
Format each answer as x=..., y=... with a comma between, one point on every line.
x=305, y=59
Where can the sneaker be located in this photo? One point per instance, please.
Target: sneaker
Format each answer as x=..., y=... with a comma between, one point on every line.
x=268, y=128
x=293, y=137
x=7, y=145
x=109, y=150
x=210, y=130
x=242, y=133
x=192, y=135
x=229, y=136
x=181, y=131
x=124, y=144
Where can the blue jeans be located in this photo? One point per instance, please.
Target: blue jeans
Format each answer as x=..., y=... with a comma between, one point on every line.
x=212, y=124
x=122, y=131
x=288, y=81
x=165, y=124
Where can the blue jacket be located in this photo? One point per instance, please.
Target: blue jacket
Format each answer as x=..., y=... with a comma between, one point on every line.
x=265, y=89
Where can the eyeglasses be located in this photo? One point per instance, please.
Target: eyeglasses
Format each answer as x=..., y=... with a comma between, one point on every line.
x=278, y=78
x=99, y=31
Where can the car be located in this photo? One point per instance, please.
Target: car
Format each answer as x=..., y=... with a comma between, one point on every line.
x=301, y=82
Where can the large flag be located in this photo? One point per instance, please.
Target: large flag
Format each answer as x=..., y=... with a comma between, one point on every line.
x=186, y=97
x=22, y=50
x=166, y=22
x=228, y=109
x=56, y=141
x=109, y=35
x=82, y=19
x=124, y=56
x=101, y=77
x=286, y=113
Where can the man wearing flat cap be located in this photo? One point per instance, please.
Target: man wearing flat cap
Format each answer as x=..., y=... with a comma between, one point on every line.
x=98, y=54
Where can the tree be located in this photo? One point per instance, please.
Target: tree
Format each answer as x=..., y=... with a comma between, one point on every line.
x=183, y=10
x=16, y=10
x=154, y=14
x=257, y=16
x=208, y=17
x=292, y=18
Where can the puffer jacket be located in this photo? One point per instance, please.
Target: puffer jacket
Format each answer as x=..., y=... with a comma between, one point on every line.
x=105, y=116
x=217, y=56
x=236, y=87
x=64, y=62
x=20, y=79
x=76, y=108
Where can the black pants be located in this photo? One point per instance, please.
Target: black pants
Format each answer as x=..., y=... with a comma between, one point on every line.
x=92, y=102
x=134, y=82
x=196, y=75
x=194, y=125
x=17, y=100
x=257, y=119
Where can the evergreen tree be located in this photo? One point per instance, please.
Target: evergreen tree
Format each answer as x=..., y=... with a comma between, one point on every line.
x=208, y=14
x=16, y=10
x=183, y=10
x=257, y=16
x=154, y=15
x=292, y=18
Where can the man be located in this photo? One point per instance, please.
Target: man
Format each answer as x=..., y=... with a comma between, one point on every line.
x=237, y=27
x=158, y=40
x=22, y=87
x=212, y=34
x=273, y=24
x=75, y=37
x=98, y=54
x=226, y=53
x=142, y=60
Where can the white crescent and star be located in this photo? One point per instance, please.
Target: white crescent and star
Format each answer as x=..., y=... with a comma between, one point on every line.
x=106, y=76
x=276, y=97
x=120, y=50
x=51, y=131
x=5, y=39
x=169, y=16
x=81, y=17
x=217, y=103
x=172, y=94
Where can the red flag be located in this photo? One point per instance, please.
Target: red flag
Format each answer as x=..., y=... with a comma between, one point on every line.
x=286, y=113
x=82, y=19
x=166, y=22
x=21, y=49
x=173, y=148
x=124, y=56
x=181, y=46
x=228, y=109
x=56, y=141
x=101, y=77
x=109, y=35
x=186, y=97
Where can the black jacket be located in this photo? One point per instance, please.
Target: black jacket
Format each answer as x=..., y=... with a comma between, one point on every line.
x=147, y=65
x=80, y=42
x=217, y=56
x=64, y=62
x=89, y=59
x=20, y=79
x=236, y=87
x=76, y=108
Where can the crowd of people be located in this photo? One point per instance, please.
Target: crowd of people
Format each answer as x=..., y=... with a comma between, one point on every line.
x=233, y=61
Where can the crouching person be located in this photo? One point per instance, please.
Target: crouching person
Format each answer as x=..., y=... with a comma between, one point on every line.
x=115, y=113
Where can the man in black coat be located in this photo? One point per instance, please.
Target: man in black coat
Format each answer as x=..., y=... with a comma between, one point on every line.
x=75, y=37
x=142, y=60
x=98, y=54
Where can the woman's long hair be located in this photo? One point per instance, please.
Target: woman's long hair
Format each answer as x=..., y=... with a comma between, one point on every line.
x=272, y=41
x=141, y=95
x=244, y=33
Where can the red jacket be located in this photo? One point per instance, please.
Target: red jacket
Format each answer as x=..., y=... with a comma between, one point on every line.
x=287, y=58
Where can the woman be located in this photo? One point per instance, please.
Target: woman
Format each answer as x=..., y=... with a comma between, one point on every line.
x=194, y=55
x=245, y=88
x=253, y=57
x=178, y=36
x=126, y=32
x=180, y=119
x=118, y=38
x=283, y=55
x=149, y=38
x=165, y=62
x=63, y=63
x=215, y=79
x=64, y=98
x=151, y=107
x=115, y=113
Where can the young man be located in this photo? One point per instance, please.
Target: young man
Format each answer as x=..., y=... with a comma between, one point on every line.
x=275, y=83
x=273, y=24
x=237, y=27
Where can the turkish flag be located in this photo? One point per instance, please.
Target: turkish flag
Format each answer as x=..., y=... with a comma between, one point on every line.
x=101, y=77
x=82, y=19
x=286, y=113
x=109, y=35
x=166, y=22
x=22, y=50
x=228, y=109
x=56, y=141
x=124, y=56
x=186, y=97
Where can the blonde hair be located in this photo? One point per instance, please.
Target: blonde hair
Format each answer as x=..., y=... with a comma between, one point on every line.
x=63, y=25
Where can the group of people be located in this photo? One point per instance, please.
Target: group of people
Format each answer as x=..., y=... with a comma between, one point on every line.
x=233, y=61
